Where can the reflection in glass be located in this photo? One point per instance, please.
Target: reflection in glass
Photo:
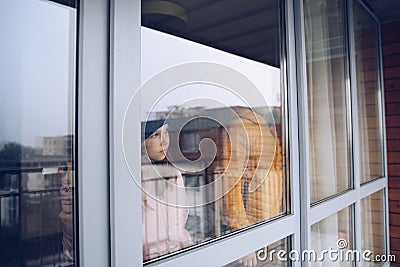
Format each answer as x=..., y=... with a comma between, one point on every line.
x=326, y=55
x=229, y=150
x=373, y=226
x=37, y=137
x=276, y=254
x=335, y=232
x=164, y=200
x=368, y=96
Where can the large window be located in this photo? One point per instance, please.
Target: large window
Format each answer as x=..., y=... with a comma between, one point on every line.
x=334, y=232
x=368, y=94
x=229, y=93
x=344, y=138
x=211, y=110
x=373, y=228
x=275, y=254
x=328, y=115
x=37, y=167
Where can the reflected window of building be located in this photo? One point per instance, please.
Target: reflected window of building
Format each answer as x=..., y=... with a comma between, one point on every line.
x=190, y=141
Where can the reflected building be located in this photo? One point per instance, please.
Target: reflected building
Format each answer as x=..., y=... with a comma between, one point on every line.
x=56, y=145
x=30, y=182
x=260, y=136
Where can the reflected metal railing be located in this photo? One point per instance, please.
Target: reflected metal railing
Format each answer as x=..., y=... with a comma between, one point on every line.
x=30, y=230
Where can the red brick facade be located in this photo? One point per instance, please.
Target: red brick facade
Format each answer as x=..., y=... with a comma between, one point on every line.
x=391, y=66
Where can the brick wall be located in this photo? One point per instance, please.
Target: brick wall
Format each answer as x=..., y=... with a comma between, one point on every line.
x=391, y=65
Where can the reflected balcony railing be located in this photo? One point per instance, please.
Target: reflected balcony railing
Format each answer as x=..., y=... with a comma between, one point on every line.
x=30, y=202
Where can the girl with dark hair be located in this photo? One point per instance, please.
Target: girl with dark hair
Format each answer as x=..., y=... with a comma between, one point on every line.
x=164, y=211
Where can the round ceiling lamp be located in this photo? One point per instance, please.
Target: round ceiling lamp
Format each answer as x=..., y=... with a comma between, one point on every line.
x=157, y=9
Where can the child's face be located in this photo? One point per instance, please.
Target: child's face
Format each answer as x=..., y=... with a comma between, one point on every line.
x=157, y=143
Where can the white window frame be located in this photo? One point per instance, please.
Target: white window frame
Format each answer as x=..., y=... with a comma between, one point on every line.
x=125, y=195
x=92, y=134
x=312, y=214
x=126, y=209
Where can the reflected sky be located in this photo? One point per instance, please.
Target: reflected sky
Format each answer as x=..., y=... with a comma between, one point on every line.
x=160, y=51
x=36, y=69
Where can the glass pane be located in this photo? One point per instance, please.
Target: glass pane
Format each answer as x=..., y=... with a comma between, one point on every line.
x=373, y=227
x=212, y=120
x=368, y=94
x=276, y=254
x=37, y=175
x=326, y=55
x=334, y=233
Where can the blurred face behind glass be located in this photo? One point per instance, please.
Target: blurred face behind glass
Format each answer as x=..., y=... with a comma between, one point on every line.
x=157, y=144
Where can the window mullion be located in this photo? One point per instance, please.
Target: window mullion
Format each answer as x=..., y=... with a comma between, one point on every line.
x=293, y=135
x=125, y=194
x=93, y=165
x=383, y=132
x=304, y=177
x=355, y=129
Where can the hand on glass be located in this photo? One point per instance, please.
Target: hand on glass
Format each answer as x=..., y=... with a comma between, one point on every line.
x=249, y=260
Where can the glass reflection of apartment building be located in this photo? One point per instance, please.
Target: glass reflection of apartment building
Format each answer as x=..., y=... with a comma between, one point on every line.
x=57, y=145
x=215, y=219
x=30, y=202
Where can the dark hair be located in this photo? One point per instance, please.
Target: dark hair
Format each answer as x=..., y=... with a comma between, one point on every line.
x=149, y=127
